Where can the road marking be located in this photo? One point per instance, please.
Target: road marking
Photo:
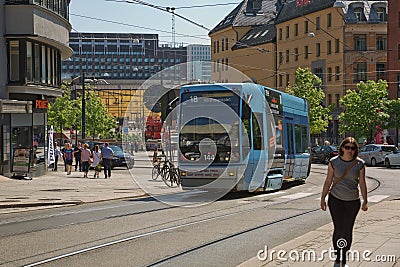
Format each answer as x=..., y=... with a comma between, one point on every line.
x=377, y=198
x=296, y=196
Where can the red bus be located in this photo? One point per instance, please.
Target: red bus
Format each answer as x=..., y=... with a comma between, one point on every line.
x=152, y=133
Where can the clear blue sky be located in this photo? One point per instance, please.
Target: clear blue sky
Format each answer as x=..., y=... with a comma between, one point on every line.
x=157, y=21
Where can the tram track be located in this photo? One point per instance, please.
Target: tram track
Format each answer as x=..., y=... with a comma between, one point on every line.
x=176, y=227
x=162, y=230
x=191, y=250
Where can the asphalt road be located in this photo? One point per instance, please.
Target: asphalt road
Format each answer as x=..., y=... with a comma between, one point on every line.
x=145, y=231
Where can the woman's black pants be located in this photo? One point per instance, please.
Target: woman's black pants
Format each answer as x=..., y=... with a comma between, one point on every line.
x=343, y=215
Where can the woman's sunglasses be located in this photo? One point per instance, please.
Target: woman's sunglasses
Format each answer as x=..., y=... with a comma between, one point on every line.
x=350, y=147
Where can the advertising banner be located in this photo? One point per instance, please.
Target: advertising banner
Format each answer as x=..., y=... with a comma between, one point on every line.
x=50, y=154
x=21, y=160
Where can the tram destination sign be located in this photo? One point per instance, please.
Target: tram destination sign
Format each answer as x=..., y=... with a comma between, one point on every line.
x=274, y=100
x=226, y=97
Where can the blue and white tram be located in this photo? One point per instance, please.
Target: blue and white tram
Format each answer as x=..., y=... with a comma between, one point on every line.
x=241, y=137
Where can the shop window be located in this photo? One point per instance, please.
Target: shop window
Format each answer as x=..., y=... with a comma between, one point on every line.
x=21, y=137
x=38, y=144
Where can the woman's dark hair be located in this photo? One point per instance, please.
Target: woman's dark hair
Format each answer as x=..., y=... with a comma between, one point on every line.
x=96, y=148
x=346, y=141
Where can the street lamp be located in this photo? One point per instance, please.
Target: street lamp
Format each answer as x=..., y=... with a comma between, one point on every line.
x=83, y=134
x=84, y=81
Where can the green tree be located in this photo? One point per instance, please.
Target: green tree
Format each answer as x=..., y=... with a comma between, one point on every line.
x=65, y=112
x=365, y=109
x=61, y=112
x=307, y=86
x=393, y=108
x=98, y=120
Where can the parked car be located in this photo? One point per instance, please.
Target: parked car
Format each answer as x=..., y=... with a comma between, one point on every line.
x=93, y=143
x=121, y=158
x=392, y=159
x=323, y=153
x=374, y=154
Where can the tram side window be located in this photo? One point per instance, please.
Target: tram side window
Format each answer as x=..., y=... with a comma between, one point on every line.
x=290, y=138
x=257, y=120
x=246, y=114
x=301, y=138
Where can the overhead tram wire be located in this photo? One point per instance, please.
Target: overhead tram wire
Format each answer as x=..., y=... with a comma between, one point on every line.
x=210, y=5
x=136, y=26
x=181, y=7
x=260, y=50
x=167, y=9
x=162, y=8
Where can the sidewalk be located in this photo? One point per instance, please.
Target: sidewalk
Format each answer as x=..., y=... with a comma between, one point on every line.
x=56, y=188
x=377, y=231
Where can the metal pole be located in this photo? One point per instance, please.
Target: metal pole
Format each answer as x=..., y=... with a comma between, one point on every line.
x=83, y=137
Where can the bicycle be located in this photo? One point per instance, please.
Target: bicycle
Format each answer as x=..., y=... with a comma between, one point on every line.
x=158, y=168
x=172, y=176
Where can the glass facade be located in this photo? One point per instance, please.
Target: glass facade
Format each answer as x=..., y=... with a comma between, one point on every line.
x=119, y=55
x=33, y=63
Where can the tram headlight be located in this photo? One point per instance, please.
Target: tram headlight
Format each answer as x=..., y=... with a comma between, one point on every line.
x=231, y=173
x=183, y=173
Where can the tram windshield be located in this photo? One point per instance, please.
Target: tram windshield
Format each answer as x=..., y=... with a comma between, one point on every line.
x=209, y=131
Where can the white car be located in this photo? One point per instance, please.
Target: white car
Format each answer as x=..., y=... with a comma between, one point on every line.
x=392, y=159
x=374, y=154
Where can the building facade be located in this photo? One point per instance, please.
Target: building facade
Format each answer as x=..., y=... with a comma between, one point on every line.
x=342, y=44
x=119, y=56
x=199, y=62
x=244, y=42
x=34, y=40
x=393, y=55
x=119, y=64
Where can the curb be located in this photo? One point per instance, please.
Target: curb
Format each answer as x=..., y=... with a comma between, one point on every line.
x=38, y=204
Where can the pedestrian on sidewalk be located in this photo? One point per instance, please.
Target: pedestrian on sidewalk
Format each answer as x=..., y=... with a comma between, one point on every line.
x=345, y=177
x=77, y=156
x=62, y=152
x=107, y=154
x=57, y=153
x=68, y=156
x=86, y=156
x=96, y=161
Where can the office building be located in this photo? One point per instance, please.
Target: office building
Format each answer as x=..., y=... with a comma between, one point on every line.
x=33, y=41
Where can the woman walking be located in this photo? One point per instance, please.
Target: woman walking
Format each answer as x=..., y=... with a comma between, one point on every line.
x=96, y=161
x=345, y=177
x=86, y=156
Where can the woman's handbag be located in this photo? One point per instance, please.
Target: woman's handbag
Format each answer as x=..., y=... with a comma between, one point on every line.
x=343, y=175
